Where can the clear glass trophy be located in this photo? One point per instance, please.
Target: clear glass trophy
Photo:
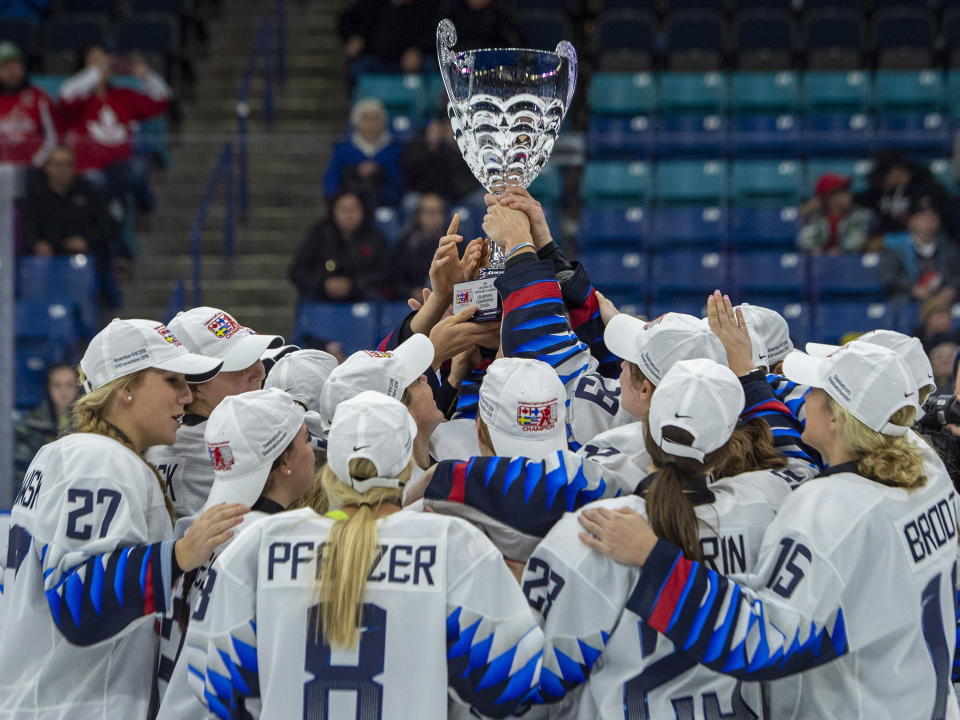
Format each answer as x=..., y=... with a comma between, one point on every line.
x=506, y=107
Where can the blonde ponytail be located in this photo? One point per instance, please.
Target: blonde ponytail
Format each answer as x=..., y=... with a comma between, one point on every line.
x=89, y=416
x=351, y=551
x=886, y=459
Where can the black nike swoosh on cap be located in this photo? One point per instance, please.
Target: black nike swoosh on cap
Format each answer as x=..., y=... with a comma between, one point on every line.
x=359, y=447
x=678, y=415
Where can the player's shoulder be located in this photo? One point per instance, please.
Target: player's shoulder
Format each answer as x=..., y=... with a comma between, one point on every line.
x=189, y=442
x=567, y=529
x=760, y=486
x=92, y=453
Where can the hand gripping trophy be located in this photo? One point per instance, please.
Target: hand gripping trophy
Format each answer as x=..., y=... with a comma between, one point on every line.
x=506, y=107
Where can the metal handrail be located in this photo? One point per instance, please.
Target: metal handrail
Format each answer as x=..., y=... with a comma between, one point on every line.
x=222, y=174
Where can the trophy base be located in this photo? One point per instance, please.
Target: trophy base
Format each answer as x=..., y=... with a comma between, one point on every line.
x=482, y=293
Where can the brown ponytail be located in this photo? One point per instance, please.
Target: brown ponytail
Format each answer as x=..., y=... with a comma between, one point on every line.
x=750, y=448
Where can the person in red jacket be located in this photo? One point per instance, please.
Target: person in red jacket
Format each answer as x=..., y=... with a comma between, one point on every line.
x=27, y=130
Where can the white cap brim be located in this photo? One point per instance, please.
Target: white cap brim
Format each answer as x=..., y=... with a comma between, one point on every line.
x=535, y=448
x=196, y=368
x=315, y=424
x=274, y=353
x=244, y=489
x=416, y=356
x=820, y=350
x=804, y=369
x=247, y=350
x=620, y=336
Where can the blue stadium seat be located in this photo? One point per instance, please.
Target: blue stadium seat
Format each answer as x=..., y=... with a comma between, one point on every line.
x=765, y=135
x=691, y=182
x=631, y=302
x=771, y=228
x=618, y=137
x=687, y=135
x=855, y=169
x=690, y=274
x=767, y=93
x=622, y=94
x=388, y=221
x=400, y=94
x=471, y=219
x=695, y=39
x=914, y=132
x=953, y=83
x=353, y=324
x=845, y=277
x=22, y=33
x=687, y=306
x=904, y=37
x=918, y=91
x=833, y=39
x=839, y=134
x=764, y=39
x=389, y=316
x=799, y=317
x=690, y=92
x=616, y=183
x=616, y=269
x=626, y=39
x=841, y=92
x=767, y=182
x=835, y=321
x=69, y=281
x=600, y=227
x=51, y=325
x=73, y=36
x=759, y=277
x=29, y=373
x=702, y=227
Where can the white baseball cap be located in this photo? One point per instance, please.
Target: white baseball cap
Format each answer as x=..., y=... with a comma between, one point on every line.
x=758, y=349
x=376, y=427
x=656, y=345
x=871, y=382
x=272, y=354
x=215, y=333
x=244, y=435
x=388, y=372
x=127, y=346
x=702, y=397
x=772, y=328
x=523, y=404
x=910, y=349
x=302, y=374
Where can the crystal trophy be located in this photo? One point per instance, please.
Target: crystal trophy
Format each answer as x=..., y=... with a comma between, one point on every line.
x=506, y=107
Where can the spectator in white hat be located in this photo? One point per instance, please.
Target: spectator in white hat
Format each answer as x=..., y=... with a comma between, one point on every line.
x=209, y=331
x=93, y=559
x=812, y=599
x=398, y=374
x=262, y=457
x=425, y=598
x=689, y=434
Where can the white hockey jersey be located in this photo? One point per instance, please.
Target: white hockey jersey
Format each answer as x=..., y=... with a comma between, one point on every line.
x=186, y=468
x=600, y=659
x=853, y=590
x=441, y=608
x=89, y=570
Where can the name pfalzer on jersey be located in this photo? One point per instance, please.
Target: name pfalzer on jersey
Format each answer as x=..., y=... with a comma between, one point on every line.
x=397, y=564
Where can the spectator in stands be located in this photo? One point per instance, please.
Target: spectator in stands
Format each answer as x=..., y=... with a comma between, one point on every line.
x=895, y=184
x=27, y=130
x=24, y=9
x=368, y=163
x=389, y=35
x=941, y=359
x=484, y=24
x=343, y=258
x=921, y=263
x=98, y=117
x=416, y=247
x=50, y=419
x=63, y=213
x=936, y=326
x=831, y=222
x=433, y=164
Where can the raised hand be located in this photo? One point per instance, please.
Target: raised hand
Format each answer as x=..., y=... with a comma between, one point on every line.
x=446, y=269
x=454, y=334
x=518, y=198
x=731, y=329
x=508, y=228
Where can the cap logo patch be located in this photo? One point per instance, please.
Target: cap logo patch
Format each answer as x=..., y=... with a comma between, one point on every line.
x=536, y=417
x=223, y=326
x=379, y=353
x=220, y=455
x=167, y=336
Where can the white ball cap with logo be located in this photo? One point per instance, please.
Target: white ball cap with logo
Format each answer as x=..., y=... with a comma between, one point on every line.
x=127, y=346
x=871, y=382
x=656, y=345
x=702, y=397
x=758, y=348
x=302, y=374
x=213, y=332
x=910, y=349
x=389, y=372
x=523, y=404
x=773, y=330
x=374, y=427
x=244, y=435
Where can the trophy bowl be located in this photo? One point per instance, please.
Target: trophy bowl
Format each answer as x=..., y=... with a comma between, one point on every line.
x=506, y=106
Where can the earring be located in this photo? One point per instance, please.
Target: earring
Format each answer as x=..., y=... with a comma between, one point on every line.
x=129, y=398
x=289, y=471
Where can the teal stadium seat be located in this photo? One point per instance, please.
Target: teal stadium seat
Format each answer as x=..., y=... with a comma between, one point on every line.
x=548, y=187
x=704, y=93
x=942, y=170
x=764, y=92
x=691, y=182
x=616, y=183
x=908, y=91
x=767, y=182
x=622, y=94
x=953, y=93
x=400, y=94
x=836, y=92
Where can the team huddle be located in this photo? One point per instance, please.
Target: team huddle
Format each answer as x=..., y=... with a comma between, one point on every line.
x=569, y=513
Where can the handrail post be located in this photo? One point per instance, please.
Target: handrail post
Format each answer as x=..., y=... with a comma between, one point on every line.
x=281, y=44
x=269, y=72
x=229, y=227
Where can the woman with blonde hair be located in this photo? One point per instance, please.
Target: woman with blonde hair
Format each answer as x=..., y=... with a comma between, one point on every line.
x=857, y=569
x=367, y=610
x=92, y=560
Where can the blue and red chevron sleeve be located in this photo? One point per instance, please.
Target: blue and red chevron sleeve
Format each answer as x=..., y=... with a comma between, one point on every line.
x=580, y=297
